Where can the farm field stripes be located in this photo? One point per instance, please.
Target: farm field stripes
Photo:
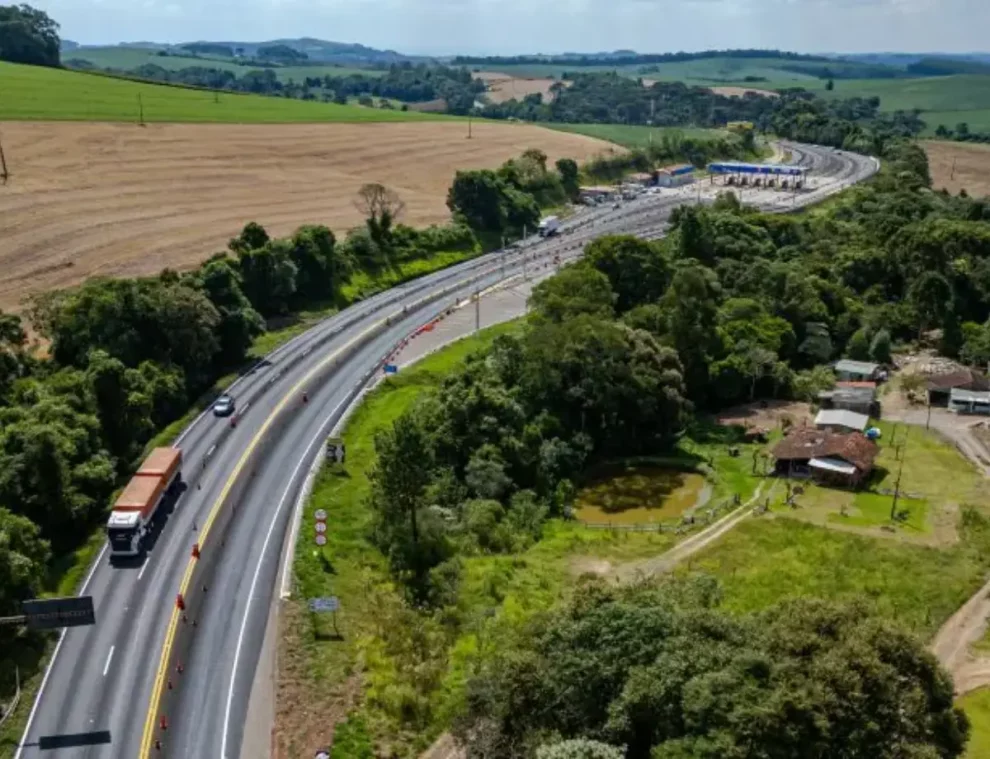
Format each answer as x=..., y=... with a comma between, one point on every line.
x=40, y=94
x=116, y=199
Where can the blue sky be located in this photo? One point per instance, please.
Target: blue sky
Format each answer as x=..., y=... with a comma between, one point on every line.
x=526, y=26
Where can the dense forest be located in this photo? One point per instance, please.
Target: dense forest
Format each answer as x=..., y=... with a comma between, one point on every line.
x=608, y=98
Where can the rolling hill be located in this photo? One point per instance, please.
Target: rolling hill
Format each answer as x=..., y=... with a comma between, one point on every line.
x=31, y=92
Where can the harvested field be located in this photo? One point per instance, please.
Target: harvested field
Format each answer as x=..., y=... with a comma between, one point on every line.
x=959, y=165
x=502, y=88
x=89, y=199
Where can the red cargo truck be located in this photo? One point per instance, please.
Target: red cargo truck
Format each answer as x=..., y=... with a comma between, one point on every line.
x=134, y=511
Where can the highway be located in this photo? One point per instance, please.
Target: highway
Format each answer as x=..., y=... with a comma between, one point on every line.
x=107, y=685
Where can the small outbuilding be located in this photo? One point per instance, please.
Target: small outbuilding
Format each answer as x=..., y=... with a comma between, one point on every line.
x=841, y=420
x=830, y=458
x=969, y=401
x=940, y=386
x=858, y=371
x=850, y=396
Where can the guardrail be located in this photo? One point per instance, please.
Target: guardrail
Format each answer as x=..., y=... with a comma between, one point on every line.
x=193, y=592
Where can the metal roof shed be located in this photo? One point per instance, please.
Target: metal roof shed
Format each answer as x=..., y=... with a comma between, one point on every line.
x=857, y=368
x=841, y=418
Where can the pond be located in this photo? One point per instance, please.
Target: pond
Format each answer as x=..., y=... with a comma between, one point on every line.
x=638, y=495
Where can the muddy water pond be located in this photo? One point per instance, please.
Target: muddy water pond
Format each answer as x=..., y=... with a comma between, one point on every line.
x=638, y=495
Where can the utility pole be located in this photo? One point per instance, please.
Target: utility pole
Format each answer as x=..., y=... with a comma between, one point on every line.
x=897, y=486
x=953, y=174
x=469, y=126
x=140, y=110
x=4, y=174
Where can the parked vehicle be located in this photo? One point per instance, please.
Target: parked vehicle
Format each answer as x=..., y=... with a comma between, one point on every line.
x=134, y=511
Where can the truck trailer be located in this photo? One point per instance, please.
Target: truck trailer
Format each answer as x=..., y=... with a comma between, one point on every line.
x=549, y=226
x=134, y=510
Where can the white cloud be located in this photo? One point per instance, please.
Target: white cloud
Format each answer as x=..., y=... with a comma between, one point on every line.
x=519, y=26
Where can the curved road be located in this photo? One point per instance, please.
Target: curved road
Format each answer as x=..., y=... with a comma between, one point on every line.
x=94, y=699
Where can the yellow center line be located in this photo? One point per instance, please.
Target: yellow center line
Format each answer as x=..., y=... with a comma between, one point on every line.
x=154, y=703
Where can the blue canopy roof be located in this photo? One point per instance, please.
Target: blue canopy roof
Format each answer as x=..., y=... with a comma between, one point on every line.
x=733, y=167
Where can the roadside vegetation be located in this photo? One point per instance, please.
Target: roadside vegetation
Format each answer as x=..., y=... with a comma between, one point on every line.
x=622, y=357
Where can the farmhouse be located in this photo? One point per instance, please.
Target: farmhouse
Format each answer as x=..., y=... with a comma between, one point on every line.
x=844, y=460
x=858, y=371
x=940, y=386
x=839, y=420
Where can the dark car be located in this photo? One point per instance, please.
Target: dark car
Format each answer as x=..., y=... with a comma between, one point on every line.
x=223, y=406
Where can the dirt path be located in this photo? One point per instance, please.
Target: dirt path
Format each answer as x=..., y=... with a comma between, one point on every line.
x=953, y=642
x=645, y=568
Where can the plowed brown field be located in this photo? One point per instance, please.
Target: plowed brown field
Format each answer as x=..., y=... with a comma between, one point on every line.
x=89, y=199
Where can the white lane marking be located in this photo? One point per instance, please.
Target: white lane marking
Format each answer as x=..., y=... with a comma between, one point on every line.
x=257, y=573
x=51, y=662
x=147, y=561
x=106, y=667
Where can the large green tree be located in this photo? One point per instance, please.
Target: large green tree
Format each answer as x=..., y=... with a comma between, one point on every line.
x=28, y=35
x=661, y=671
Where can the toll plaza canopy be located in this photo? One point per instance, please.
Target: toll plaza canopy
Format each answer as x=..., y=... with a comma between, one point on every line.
x=757, y=168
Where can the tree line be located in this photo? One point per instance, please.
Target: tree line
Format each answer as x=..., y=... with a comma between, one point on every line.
x=28, y=35
x=402, y=81
x=129, y=356
x=608, y=98
x=628, y=58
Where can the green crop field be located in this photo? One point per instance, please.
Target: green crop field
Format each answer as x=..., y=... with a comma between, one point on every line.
x=127, y=58
x=36, y=93
x=630, y=136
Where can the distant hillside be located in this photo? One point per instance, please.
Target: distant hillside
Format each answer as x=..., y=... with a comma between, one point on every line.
x=319, y=51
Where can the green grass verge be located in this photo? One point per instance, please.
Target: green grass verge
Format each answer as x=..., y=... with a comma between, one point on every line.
x=631, y=136
x=38, y=93
x=977, y=708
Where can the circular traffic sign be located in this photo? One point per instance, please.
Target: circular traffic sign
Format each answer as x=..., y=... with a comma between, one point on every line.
x=321, y=515
x=321, y=527
x=321, y=540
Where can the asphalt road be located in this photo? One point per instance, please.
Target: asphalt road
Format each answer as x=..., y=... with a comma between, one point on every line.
x=95, y=696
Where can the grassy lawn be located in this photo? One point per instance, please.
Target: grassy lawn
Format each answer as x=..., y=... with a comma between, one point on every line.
x=630, y=136
x=33, y=92
x=977, y=708
x=763, y=561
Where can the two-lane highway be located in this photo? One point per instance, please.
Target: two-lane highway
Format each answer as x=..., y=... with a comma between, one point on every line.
x=98, y=695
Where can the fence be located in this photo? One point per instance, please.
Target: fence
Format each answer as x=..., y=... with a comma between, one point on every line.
x=704, y=516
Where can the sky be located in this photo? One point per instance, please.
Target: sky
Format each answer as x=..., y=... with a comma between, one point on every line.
x=508, y=27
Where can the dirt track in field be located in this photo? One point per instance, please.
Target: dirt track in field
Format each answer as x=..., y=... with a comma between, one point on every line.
x=88, y=199
x=959, y=165
x=503, y=88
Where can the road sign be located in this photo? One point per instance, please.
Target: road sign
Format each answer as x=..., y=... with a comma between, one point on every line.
x=391, y=369
x=321, y=515
x=321, y=527
x=324, y=604
x=321, y=540
x=52, y=613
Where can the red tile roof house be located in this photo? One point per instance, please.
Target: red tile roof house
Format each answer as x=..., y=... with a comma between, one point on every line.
x=830, y=458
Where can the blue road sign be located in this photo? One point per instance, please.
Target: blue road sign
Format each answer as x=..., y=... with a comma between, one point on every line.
x=391, y=369
x=324, y=604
